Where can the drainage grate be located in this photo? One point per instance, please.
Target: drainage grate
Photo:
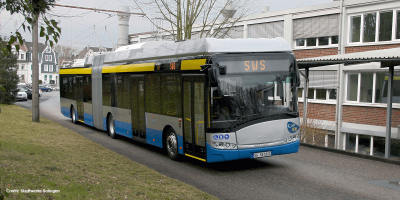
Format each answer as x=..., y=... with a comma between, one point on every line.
x=390, y=183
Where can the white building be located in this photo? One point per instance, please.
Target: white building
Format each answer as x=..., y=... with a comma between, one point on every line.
x=48, y=67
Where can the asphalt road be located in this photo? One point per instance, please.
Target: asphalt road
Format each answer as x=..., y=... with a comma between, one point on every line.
x=309, y=174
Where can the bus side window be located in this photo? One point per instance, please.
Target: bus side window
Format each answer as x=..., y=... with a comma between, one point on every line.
x=106, y=90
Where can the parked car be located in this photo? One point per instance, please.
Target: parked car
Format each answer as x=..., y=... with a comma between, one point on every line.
x=44, y=88
x=29, y=91
x=55, y=87
x=21, y=94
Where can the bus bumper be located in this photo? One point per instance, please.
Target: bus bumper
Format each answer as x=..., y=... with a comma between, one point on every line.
x=217, y=155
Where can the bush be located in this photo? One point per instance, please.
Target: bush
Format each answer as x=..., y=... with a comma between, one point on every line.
x=8, y=75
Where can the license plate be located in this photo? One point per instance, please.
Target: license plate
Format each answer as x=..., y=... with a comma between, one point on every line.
x=262, y=154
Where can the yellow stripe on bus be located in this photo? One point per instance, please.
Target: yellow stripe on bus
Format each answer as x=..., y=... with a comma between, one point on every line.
x=143, y=67
x=192, y=64
x=195, y=157
x=76, y=71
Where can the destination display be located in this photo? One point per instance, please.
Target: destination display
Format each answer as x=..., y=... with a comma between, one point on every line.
x=255, y=64
x=169, y=66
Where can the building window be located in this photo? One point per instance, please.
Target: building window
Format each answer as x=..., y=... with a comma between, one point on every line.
x=22, y=77
x=22, y=66
x=320, y=94
x=373, y=87
x=366, y=87
x=320, y=41
x=332, y=94
x=50, y=57
x=369, y=23
x=46, y=68
x=45, y=77
x=385, y=26
x=50, y=68
x=46, y=58
x=300, y=92
x=381, y=87
x=311, y=42
x=355, y=27
x=352, y=87
x=335, y=39
x=22, y=56
x=369, y=27
x=300, y=42
x=310, y=93
x=50, y=77
x=398, y=25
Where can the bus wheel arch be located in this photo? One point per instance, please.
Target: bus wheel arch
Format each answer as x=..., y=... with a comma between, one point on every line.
x=170, y=141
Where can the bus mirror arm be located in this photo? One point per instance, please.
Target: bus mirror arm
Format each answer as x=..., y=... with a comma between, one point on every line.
x=205, y=67
x=213, y=76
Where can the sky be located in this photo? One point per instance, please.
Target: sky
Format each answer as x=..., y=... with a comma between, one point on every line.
x=81, y=28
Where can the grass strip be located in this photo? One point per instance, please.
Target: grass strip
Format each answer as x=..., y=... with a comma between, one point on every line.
x=47, y=156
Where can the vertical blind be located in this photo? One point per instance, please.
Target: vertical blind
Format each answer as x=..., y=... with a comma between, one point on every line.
x=320, y=79
x=233, y=32
x=265, y=30
x=320, y=26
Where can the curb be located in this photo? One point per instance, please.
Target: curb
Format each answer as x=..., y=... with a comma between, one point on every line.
x=385, y=160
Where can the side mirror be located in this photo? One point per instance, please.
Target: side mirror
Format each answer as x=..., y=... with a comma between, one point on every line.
x=222, y=69
x=213, y=76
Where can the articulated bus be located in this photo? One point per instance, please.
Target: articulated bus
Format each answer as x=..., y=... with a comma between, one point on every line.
x=209, y=99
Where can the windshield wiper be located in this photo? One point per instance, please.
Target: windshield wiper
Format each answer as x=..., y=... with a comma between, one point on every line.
x=292, y=114
x=237, y=121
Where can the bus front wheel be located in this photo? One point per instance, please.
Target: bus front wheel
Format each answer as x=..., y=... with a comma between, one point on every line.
x=171, y=143
x=111, y=127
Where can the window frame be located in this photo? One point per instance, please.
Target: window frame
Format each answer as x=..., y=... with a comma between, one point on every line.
x=317, y=45
x=377, y=27
x=359, y=87
x=45, y=68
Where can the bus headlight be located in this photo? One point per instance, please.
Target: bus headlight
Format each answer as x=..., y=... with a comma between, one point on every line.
x=222, y=145
x=292, y=138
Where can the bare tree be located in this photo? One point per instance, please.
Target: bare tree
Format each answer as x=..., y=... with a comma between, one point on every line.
x=66, y=52
x=211, y=18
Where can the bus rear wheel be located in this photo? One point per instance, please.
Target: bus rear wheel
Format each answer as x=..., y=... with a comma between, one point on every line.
x=73, y=117
x=111, y=127
x=171, y=144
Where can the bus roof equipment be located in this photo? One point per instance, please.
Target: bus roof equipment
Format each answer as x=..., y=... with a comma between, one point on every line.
x=205, y=46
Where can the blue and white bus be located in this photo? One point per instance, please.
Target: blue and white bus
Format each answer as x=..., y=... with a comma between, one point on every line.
x=209, y=99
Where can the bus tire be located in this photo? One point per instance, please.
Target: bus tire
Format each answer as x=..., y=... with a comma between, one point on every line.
x=171, y=144
x=73, y=116
x=111, y=127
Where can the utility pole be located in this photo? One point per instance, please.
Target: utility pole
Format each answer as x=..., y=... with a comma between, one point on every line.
x=35, y=64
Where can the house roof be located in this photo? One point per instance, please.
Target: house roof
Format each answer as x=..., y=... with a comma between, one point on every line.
x=387, y=57
x=85, y=50
x=29, y=46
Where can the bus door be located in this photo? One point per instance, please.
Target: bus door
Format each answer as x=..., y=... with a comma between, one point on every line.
x=137, y=109
x=193, y=117
x=79, y=98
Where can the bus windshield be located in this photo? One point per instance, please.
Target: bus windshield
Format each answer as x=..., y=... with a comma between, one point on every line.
x=243, y=98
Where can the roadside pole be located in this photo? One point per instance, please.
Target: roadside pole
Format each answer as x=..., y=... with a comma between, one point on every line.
x=35, y=71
